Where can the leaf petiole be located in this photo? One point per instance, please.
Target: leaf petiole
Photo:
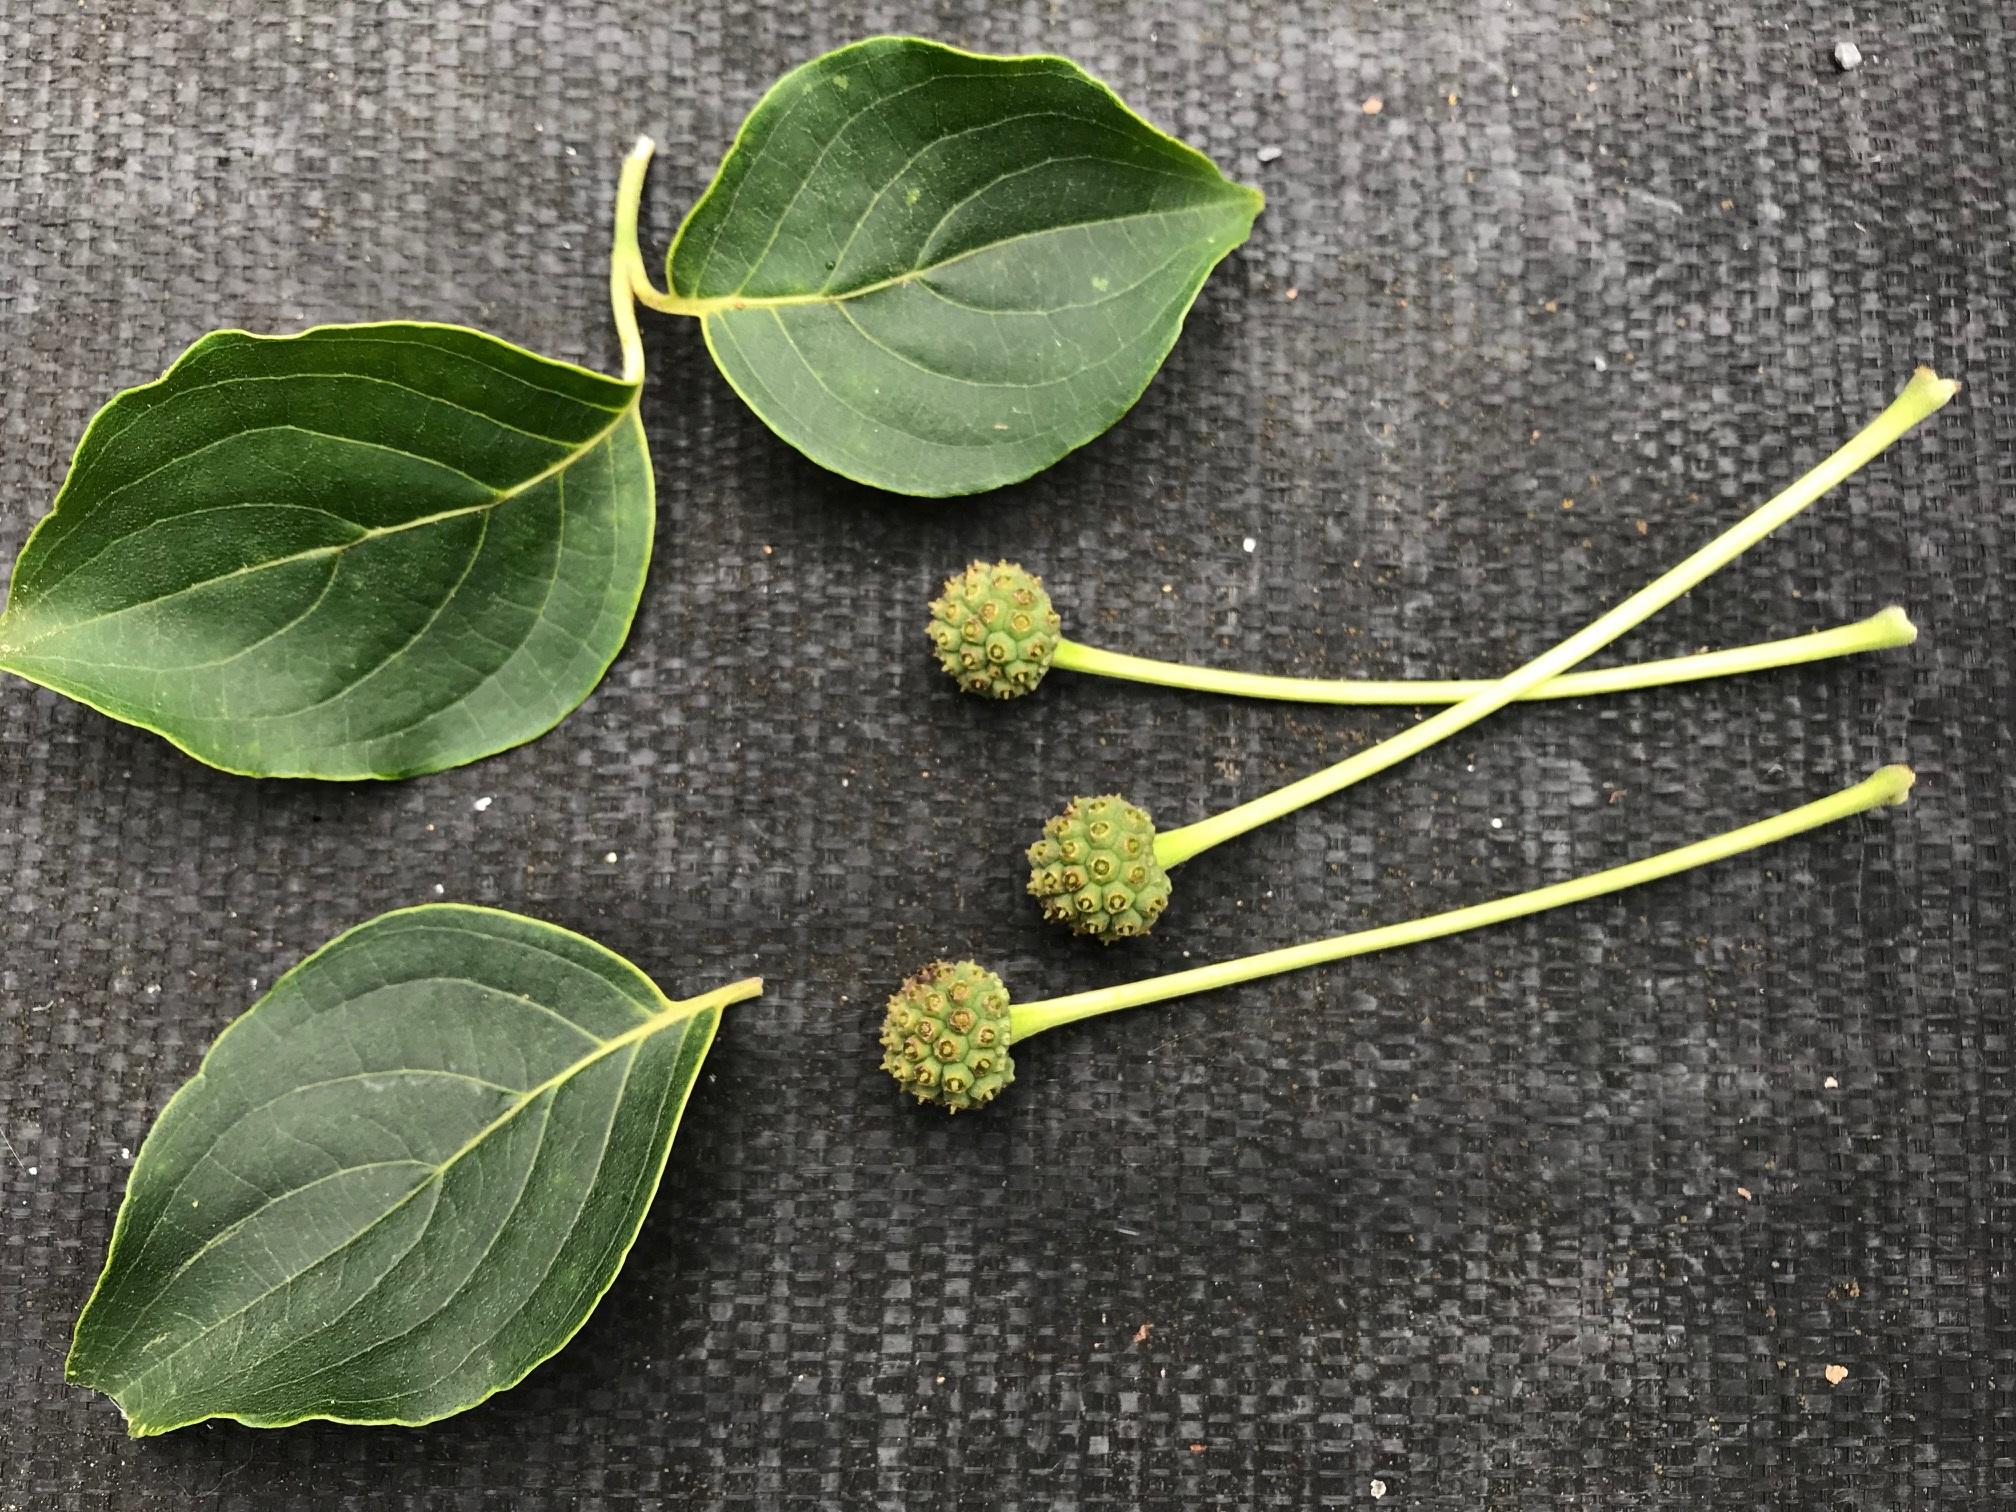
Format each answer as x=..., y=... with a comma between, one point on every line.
x=628, y=280
x=722, y=997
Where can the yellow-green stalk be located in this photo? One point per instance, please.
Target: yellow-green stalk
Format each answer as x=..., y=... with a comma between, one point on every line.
x=1061, y=863
x=997, y=635
x=949, y=1030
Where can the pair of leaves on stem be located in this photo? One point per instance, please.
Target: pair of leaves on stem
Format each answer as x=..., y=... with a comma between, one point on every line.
x=383, y=550
x=399, y=1181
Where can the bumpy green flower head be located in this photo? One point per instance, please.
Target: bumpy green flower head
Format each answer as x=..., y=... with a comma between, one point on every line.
x=945, y=1038
x=1095, y=869
x=995, y=630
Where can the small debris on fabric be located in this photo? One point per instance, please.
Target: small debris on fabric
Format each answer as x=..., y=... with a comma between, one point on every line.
x=1744, y=1193
x=1248, y=545
x=1196, y=1448
x=1847, y=56
x=610, y=858
x=1830, y=1084
x=1268, y=154
x=1141, y=1333
x=482, y=805
x=1377, y=1488
x=1497, y=824
x=1835, y=1374
x=1601, y=365
x=1373, y=106
x=440, y=888
x=1292, y=292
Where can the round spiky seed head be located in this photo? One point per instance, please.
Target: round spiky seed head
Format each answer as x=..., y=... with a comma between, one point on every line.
x=945, y=1036
x=995, y=630
x=1095, y=869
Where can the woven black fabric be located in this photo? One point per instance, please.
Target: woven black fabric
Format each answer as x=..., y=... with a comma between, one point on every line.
x=1579, y=1211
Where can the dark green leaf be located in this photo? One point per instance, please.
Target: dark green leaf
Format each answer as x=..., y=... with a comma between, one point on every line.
x=938, y=272
x=363, y=551
x=399, y=1181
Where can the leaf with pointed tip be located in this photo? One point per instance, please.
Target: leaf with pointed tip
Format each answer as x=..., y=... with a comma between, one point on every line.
x=937, y=271
x=398, y=1182
x=362, y=551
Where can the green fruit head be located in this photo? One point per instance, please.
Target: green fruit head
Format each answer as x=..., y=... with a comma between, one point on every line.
x=1095, y=869
x=995, y=630
x=945, y=1037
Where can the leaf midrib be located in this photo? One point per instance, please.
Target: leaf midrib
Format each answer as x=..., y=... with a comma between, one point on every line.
x=318, y=553
x=729, y=303
x=673, y=1013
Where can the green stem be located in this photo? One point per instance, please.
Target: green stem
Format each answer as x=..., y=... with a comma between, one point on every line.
x=722, y=997
x=1880, y=631
x=629, y=259
x=1922, y=396
x=626, y=262
x=1890, y=785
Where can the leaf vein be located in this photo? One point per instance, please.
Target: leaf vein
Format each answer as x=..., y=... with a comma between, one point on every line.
x=502, y=496
x=876, y=420
x=517, y=1200
x=673, y=1013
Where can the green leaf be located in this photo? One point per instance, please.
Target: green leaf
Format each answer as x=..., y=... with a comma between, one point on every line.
x=362, y=551
x=938, y=272
x=401, y=1180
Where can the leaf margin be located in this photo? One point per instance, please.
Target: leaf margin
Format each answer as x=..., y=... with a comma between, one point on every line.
x=704, y=1008
x=634, y=412
x=698, y=308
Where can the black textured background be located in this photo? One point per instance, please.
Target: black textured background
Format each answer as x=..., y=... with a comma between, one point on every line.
x=1580, y=1209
